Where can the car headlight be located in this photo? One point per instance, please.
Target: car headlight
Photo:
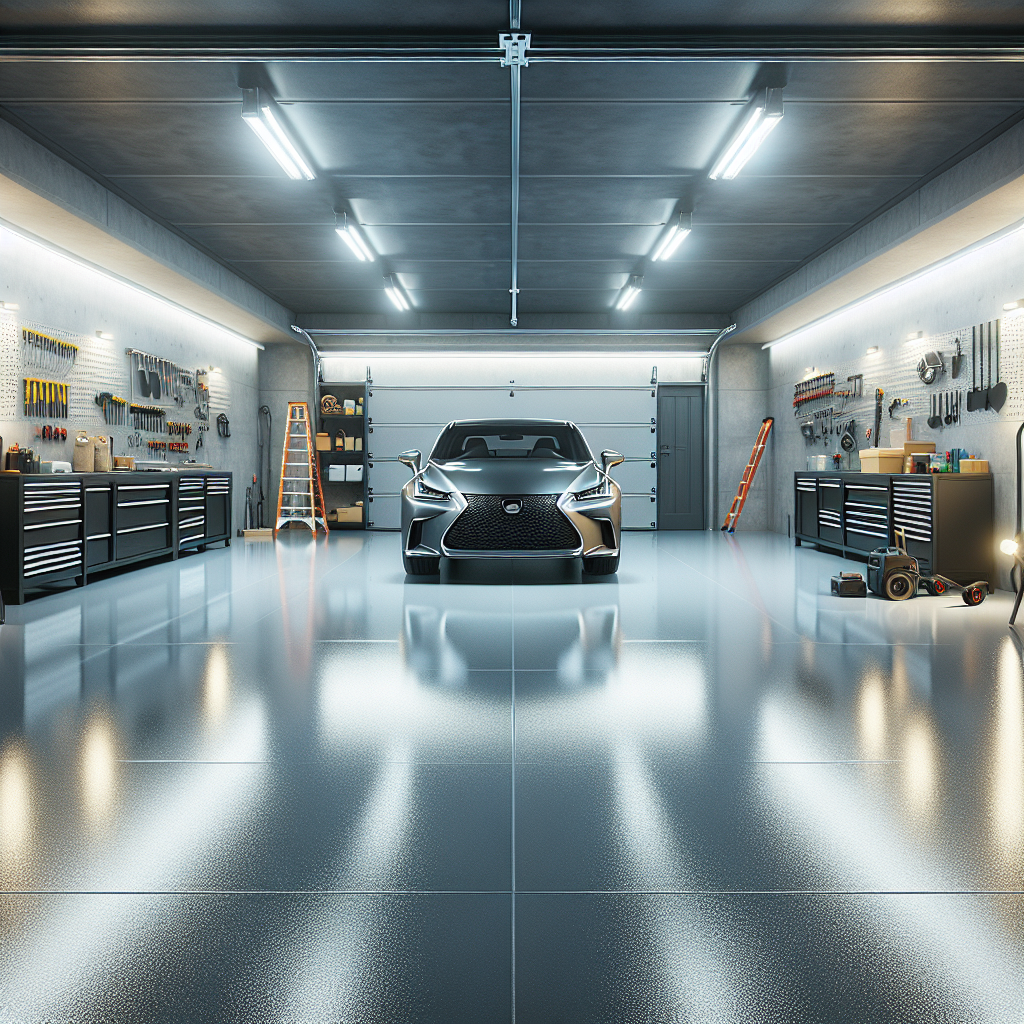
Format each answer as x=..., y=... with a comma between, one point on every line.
x=422, y=490
x=602, y=490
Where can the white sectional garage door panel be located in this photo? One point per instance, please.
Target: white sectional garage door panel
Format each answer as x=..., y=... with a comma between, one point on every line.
x=402, y=418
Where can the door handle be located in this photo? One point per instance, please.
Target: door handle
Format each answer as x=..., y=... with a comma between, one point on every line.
x=665, y=450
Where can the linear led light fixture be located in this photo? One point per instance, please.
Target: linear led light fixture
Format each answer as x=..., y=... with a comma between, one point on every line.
x=396, y=293
x=260, y=113
x=762, y=115
x=9, y=305
x=1016, y=304
x=348, y=233
x=630, y=292
x=674, y=237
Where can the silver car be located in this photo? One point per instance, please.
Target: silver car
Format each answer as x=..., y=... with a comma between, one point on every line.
x=510, y=489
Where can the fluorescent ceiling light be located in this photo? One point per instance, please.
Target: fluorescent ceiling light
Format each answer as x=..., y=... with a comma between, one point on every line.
x=260, y=114
x=762, y=115
x=673, y=238
x=1018, y=304
x=630, y=292
x=9, y=305
x=352, y=238
x=396, y=293
x=104, y=336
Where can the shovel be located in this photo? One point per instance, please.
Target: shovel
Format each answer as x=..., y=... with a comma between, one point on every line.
x=154, y=381
x=143, y=377
x=997, y=393
x=976, y=396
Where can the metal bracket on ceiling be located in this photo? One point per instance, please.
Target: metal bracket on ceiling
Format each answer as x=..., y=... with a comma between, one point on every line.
x=515, y=45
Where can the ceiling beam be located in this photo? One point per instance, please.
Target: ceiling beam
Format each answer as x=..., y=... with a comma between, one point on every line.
x=893, y=45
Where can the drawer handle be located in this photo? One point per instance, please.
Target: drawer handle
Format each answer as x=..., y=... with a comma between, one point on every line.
x=46, y=526
x=53, y=568
x=29, y=509
x=866, y=533
x=143, y=487
x=140, y=529
x=139, y=504
x=99, y=536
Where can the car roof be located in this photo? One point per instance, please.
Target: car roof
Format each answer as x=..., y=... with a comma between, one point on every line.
x=511, y=422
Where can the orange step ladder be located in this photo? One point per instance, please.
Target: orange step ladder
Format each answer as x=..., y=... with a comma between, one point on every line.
x=300, y=497
x=729, y=526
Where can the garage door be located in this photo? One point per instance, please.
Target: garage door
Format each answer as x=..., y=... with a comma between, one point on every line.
x=408, y=405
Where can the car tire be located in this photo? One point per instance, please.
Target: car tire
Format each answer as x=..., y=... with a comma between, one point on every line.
x=601, y=565
x=417, y=566
x=899, y=586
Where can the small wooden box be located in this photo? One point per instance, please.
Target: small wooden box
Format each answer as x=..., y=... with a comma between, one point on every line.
x=323, y=442
x=974, y=465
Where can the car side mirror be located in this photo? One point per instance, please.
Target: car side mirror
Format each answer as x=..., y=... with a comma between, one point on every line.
x=610, y=458
x=411, y=459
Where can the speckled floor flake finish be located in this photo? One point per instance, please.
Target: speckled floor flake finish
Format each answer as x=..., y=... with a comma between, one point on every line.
x=288, y=783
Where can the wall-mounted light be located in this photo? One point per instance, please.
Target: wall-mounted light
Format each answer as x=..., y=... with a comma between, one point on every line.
x=104, y=336
x=673, y=238
x=628, y=294
x=763, y=113
x=260, y=113
x=1016, y=304
x=350, y=235
x=872, y=350
x=9, y=305
x=396, y=293
x=915, y=335
x=1008, y=547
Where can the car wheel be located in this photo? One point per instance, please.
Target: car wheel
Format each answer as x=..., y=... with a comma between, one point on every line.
x=899, y=586
x=601, y=565
x=417, y=566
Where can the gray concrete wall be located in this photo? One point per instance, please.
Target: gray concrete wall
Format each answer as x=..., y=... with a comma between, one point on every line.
x=285, y=375
x=742, y=405
x=942, y=305
x=62, y=297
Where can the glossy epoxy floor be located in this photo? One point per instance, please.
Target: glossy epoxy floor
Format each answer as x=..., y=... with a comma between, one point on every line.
x=285, y=783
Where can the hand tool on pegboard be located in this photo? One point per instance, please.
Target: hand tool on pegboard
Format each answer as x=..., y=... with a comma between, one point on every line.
x=879, y=395
x=997, y=392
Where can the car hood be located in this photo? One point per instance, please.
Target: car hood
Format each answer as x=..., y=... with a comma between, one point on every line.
x=510, y=476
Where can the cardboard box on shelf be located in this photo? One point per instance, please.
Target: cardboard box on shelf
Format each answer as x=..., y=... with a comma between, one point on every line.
x=974, y=465
x=881, y=460
x=323, y=442
x=351, y=514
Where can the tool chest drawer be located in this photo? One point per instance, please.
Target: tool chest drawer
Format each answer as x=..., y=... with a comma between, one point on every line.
x=218, y=494
x=64, y=527
x=191, y=511
x=134, y=541
x=947, y=519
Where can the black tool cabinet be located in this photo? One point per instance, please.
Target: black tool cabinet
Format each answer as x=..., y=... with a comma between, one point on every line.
x=66, y=526
x=948, y=518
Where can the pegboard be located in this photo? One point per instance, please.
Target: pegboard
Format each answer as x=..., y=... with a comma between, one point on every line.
x=10, y=366
x=896, y=374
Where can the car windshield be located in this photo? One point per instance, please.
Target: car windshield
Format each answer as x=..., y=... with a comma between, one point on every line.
x=492, y=440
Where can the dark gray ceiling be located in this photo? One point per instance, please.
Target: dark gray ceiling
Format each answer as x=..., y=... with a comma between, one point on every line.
x=419, y=152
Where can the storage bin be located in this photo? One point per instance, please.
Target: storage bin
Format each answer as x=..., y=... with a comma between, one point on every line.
x=83, y=456
x=323, y=442
x=881, y=460
x=974, y=465
x=354, y=474
x=352, y=514
x=817, y=463
x=335, y=474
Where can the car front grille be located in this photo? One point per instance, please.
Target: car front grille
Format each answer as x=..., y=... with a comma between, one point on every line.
x=485, y=526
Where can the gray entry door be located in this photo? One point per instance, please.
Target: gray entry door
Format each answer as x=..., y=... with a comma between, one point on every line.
x=680, y=457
